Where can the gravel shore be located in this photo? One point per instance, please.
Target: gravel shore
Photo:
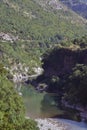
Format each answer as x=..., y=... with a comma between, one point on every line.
x=51, y=124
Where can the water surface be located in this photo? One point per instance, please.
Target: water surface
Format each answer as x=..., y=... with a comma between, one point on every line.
x=44, y=105
x=40, y=104
x=74, y=125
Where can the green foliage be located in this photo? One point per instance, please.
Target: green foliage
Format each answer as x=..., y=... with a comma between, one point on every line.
x=28, y=20
x=82, y=42
x=12, y=112
x=65, y=73
x=11, y=105
x=29, y=125
x=21, y=52
x=37, y=28
x=76, y=89
x=2, y=70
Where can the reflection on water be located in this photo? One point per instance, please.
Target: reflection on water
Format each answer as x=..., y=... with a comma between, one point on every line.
x=40, y=104
x=45, y=105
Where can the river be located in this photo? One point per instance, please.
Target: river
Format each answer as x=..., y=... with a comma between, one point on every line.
x=74, y=125
x=44, y=105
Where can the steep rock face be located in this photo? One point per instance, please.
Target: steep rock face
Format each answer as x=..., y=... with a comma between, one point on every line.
x=79, y=6
x=62, y=60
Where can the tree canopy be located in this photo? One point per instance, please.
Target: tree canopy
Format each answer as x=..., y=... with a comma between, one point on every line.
x=76, y=86
x=12, y=112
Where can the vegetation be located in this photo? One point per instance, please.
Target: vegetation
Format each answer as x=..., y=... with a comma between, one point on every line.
x=12, y=115
x=65, y=73
x=76, y=88
x=30, y=21
x=36, y=28
x=20, y=52
x=82, y=42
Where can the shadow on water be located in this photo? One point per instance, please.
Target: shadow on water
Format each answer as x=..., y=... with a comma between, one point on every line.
x=50, y=106
x=42, y=105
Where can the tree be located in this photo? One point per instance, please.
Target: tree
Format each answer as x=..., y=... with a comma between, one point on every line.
x=76, y=86
x=12, y=112
x=11, y=106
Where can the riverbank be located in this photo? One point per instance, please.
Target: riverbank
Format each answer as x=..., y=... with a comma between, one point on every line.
x=51, y=124
x=60, y=124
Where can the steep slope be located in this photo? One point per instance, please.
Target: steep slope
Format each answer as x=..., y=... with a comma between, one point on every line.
x=30, y=21
x=61, y=61
x=79, y=6
x=65, y=73
x=29, y=27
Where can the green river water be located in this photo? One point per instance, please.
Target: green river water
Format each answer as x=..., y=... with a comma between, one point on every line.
x=44, y=105
x=39, y=104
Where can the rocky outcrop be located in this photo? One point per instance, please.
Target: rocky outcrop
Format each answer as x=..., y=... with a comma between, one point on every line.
x=61, y=61
x=8, y=37
x=79, y=6
x=54, y=4
x=82, y=110
x=20, y=72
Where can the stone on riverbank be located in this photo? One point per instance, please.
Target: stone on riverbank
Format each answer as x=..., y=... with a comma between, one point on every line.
x=50, y=124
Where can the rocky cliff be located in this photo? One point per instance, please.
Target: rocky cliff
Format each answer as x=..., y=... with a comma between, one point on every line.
x=61, y=61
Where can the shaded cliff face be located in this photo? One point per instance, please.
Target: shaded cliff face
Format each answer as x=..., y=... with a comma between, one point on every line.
x=79, y=6
x=61, y=61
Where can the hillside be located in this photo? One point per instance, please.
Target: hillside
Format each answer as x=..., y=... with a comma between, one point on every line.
x=65, y=73
x=79, y=6
x=30, y=21
x=29, y=27
x=43, y=44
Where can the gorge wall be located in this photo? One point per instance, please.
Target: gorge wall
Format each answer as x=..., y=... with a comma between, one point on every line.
x=61, y=61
